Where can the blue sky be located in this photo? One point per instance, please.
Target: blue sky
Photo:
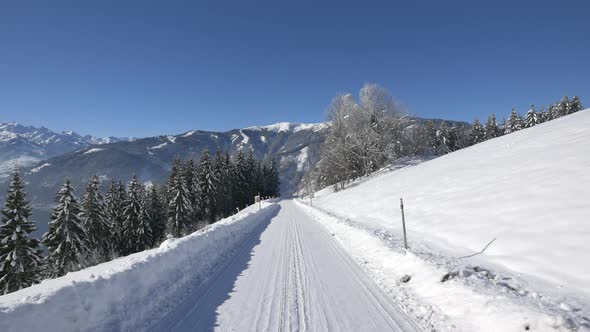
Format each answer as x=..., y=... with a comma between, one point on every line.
x=139, y=68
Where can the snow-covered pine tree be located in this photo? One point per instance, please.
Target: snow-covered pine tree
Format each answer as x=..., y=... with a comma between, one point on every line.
x=251, y=176
x=21, y=263
x=114, y=202
x=179, y=210
x=190, y=172
x=431, y=137
x=564, y=107
x=240, y=181
x=156, y=214
x=275, y=182
x=97, y=224
x=552, y=112
x=220, y=174
x=208, y=187
x=442, y=139
x=229, y=204
x=514, y=122
x=542, y=114
x=576, y=105
x=477, y=133
x=66, y=238
x=137, y=233
x=491, y=128
x=531, y=118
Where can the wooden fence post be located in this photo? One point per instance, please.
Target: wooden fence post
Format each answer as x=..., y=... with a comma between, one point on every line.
x=401, y=205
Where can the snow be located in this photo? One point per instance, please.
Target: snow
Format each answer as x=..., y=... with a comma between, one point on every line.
x=93, y=150
x=528, y=190
x=37, y=169
x=190, y=133
x=7, y=166
x=263, y=139
x=302, y=159
x=289, y=276
x=291, y=127
x=171, y=138
x=159, y=146
x=449, y=306
x=245, y=138
x=132, y=292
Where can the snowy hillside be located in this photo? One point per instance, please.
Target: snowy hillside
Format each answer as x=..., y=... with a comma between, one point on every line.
x=528, y=190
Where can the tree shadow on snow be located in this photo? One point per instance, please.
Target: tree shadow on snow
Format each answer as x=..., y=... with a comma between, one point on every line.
x=201, y=313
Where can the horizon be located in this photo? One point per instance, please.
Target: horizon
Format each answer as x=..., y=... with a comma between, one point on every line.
x=125, y=70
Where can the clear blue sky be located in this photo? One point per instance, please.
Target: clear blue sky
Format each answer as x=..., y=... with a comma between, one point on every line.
x=138, y=68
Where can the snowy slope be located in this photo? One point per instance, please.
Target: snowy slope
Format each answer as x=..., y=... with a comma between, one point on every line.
x=134, y=292
x=529, y=190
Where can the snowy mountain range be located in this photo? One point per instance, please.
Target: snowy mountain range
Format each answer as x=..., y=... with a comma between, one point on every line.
x=27, y=145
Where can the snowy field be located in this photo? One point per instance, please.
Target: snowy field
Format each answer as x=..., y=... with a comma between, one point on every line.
x=135, y=292
x=528, y=190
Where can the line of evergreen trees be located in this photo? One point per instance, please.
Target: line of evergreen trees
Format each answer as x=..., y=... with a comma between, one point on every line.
x=126, y=219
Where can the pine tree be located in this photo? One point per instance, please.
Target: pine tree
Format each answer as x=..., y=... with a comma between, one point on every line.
x=542, y=114
x=531, y=118
x=95, y=221
x=137, y=233
x=442, y=139
x=477, y=133
x=220, y=174
x=241, y=181
x=514, y=123
x=275, y=182
x=114, y=201
x=228, y=170
x=190, y=173
x=491, y=129
x=564, y=107
x=552, y=112
x=207, y=185
x=179, y=209
x=156, y=216
x=21, y=263
x=251, y=177
x=66, y=238
x=576, y=105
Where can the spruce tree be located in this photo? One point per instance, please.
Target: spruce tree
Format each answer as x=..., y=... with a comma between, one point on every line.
x=190, y=173
x=514, y=122
x=564, y=107
x=95, y=221
x=240, y=181
x=576, y=105
x=531, y=118
x=179, y=210
x=137, y=233
x=491, y=129
x=477, y=133
x=21, y=263
x=275, y=182
x=208, y=187
x=442, y=138
x=156, y=215
x=66, y=238
x=115, y=200
x=220, y=174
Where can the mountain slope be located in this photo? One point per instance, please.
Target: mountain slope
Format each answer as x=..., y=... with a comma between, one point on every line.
x=27, y=145
x=529, y=190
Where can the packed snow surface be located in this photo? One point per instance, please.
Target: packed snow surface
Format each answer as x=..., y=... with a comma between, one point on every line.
x=528, y=190
x=292, y=276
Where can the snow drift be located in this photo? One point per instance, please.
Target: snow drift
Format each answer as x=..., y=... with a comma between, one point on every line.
x=132, y=292
x=529, y=190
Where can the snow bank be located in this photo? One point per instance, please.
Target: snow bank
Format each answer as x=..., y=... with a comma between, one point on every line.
x=130, y=293
x=529, y=190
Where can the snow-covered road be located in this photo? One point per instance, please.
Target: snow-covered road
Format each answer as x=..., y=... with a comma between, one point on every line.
x=290, y=275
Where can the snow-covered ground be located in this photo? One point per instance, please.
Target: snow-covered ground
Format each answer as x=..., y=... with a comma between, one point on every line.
x=135, y=292
x=528, y=190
